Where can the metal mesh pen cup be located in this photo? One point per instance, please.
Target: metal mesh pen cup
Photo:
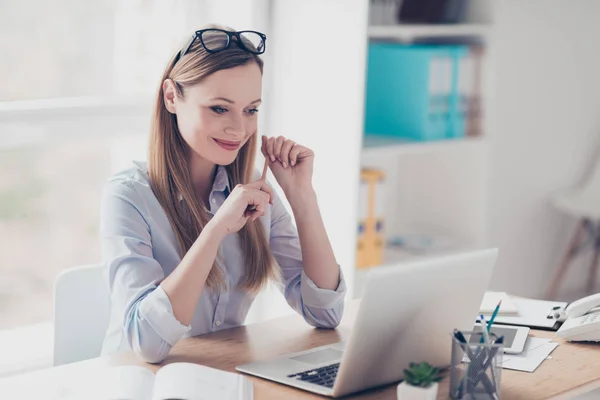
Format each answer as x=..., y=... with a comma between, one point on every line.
x=476, y=367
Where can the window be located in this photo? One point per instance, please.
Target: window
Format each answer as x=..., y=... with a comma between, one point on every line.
x=75, y=49
x=77, y=82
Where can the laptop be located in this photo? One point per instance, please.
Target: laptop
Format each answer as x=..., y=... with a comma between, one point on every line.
x=407, y=313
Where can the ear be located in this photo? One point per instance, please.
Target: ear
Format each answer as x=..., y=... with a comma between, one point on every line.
x=170, y=95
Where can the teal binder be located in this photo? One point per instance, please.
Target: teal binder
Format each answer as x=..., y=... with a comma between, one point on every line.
x=412, y=93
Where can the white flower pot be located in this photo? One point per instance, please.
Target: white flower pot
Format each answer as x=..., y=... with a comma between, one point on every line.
x=408, y=392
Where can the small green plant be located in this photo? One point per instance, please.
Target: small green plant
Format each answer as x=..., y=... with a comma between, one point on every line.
x=422, y=375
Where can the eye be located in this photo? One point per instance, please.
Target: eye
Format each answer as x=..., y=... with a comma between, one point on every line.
x=252, y=111
x=218, y=110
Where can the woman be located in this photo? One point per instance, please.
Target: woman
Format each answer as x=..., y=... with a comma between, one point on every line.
x=191, y=237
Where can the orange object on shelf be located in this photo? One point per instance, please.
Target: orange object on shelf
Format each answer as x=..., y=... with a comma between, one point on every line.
x=369, y=251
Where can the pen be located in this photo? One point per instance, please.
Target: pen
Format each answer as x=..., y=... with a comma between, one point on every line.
x=485, y=328
x=487, y=364
x=494, y=315
x=475, y=363
x=490, y=359
x=263, y=177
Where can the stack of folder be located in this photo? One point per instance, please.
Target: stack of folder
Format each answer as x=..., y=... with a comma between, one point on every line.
x=422, y=92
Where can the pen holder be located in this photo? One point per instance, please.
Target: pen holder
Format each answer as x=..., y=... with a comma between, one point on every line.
x=475, y=367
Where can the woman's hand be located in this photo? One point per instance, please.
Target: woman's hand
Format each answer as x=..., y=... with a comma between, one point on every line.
x=291, y=163
x=245, y=202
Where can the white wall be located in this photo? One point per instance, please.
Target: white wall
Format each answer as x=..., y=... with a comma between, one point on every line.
x=317, y=99
x=313, y=94
x=546, y=128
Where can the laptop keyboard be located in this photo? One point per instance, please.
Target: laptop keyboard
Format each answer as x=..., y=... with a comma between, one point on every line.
x=324, y=376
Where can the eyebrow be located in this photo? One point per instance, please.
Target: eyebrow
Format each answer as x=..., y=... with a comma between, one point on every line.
x=233, y=102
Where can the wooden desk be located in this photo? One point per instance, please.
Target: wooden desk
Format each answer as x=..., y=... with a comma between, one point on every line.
x=572, y=366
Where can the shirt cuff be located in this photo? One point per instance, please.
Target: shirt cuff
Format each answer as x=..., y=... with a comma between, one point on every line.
x=314, y=296
x=157, y=310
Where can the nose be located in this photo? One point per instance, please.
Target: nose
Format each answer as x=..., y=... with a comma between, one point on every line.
x=235, y=126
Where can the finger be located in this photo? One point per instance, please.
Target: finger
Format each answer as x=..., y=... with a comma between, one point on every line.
x=252, y=209
x=269, y=190
x=277, y=148
x=285, y=152
x=259, y=200
x=247, y=193
x=256, y=196
x=254, y=214
x=264, y=187
x=294, y=153
x=264, y=196
x=305, y=152
x=270, y=152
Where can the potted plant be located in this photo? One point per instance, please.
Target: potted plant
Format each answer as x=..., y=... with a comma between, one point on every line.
x=420, y=382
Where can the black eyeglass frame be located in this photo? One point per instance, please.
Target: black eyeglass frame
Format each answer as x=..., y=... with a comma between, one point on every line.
x=230, y=36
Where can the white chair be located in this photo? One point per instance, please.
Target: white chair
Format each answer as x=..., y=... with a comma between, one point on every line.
x=81, y=313
x=582, y=203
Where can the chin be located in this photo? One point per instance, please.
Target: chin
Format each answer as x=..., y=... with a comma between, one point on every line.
x=225, y=159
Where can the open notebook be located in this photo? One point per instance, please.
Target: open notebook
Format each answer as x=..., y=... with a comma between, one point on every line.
x=184, y=381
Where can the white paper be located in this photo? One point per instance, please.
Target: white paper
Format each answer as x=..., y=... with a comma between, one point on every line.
x=535, y=352
x=197, y=382
x=532, y=313
x=129, y=382
x=490, y=301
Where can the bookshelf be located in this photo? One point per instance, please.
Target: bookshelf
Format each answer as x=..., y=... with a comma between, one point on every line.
x=433, y=189
x=315, y=93
x=411, y=33
x=375, y=147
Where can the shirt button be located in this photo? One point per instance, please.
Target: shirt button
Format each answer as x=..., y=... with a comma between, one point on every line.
x=214, y=200
x=218, y=323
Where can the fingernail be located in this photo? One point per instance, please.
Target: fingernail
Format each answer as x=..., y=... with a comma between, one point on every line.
x=293, y=162
x=272, y=158
x=284, y=165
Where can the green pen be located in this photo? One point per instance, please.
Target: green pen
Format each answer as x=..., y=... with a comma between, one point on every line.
x=489, y=325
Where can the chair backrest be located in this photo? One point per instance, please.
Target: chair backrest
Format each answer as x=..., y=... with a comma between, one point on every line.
x=81, y=313
x=591, y=185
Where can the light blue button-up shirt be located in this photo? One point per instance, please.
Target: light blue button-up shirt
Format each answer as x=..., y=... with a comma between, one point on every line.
x=140, y=250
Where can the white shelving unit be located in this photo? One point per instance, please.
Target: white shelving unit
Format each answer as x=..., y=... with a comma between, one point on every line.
x=375, y=147
x=437, y=188
x=410, y=33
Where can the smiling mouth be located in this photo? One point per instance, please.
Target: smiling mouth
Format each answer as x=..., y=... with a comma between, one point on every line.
x=227, y=145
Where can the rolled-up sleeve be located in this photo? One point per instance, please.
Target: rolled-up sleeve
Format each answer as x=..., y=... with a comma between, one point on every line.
x=144, y=308
x=320, y=307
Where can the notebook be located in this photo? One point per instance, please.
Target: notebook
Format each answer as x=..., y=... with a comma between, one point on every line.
x=177, y=381
x=490, y=301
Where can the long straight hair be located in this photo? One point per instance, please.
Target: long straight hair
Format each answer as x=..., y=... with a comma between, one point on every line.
x=169, y=168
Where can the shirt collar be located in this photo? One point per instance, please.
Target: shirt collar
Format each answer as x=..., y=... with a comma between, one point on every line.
x=220, y=183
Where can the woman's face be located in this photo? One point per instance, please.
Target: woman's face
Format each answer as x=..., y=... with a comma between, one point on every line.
x=217, y=116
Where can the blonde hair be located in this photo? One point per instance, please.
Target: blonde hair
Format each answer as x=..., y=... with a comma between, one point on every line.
x=168, y=164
